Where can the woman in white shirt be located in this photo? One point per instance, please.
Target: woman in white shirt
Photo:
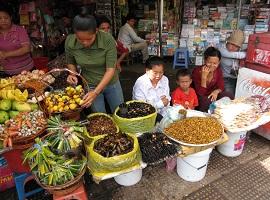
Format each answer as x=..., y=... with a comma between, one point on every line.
x=153, y=86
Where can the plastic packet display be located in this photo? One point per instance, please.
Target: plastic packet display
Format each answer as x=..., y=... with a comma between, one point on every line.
x=242, y=114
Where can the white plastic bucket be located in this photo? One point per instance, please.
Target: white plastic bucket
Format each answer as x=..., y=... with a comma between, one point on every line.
x=130, y=178
x=193, y=167
x=234, y=146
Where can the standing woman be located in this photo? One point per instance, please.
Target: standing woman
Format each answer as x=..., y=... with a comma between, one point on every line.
x=95, y=52
x=14, y=45
x=208, y=79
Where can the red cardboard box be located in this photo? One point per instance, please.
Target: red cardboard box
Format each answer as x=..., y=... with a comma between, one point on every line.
x=258, y=52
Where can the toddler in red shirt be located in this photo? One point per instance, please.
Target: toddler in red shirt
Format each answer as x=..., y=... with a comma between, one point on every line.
x=184, y=95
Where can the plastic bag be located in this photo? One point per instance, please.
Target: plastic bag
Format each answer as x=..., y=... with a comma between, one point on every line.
x=100, y=167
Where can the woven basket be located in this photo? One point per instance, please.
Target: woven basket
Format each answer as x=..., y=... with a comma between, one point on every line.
x=135, y=125
x=70, y=114
x=66, y=188
x=102, y=114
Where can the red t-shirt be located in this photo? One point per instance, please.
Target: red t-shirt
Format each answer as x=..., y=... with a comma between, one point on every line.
x=216, y=83
x=189, y=100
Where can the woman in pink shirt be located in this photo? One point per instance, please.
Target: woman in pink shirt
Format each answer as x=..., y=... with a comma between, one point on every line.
x=14, y=45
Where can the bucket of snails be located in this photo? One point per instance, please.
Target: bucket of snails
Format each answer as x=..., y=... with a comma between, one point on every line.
x=195, y=132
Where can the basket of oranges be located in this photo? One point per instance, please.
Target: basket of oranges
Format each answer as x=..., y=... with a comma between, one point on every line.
x=62, y=97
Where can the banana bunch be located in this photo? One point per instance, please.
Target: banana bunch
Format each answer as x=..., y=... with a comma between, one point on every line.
x=14, y=94
x=7, y=83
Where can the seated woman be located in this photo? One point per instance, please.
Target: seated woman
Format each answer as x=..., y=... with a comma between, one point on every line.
x=153, y=86
x=14, y=45
x=103, y=24
x=208, y=79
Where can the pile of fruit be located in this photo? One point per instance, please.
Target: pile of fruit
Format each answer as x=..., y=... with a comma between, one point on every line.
x=7, y=83
x=14, y=94
x=65, y=135
x=135, y=109
x=9, y=109
x=68, y=99
x=100, y=125
x=22, y=125
x=52, y=169
x=25, y=76
x=114, y=145
x=8, y=90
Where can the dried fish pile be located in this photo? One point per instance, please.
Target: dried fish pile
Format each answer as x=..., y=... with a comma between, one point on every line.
x=114, y=145
x=157, y=147
x=195, y=130
x=135, y=109
x=100, y=125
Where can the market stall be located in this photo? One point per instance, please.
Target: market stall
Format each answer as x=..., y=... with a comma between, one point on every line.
x=52, y=140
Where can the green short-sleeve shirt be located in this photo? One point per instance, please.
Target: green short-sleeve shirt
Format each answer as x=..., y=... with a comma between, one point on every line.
x=95, y=59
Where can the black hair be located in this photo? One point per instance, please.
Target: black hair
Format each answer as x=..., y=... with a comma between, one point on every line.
x=102, y=19
x=154, y=60
x=84, y=21
x=7, y=9
x=212, y=52
x=130, y=16
x=183, y=72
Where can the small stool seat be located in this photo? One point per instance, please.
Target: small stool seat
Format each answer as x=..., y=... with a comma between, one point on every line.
x=181, y=58
x=78, y=194
x=20, y=181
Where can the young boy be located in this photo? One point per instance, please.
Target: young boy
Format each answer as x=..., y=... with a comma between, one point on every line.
x=184, y=95
x=153, y=86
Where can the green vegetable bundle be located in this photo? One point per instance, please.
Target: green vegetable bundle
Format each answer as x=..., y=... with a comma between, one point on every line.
x=51, y=169
x=65, y=135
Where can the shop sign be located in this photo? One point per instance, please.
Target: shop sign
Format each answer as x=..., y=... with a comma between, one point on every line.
x=262, y=57
x=251, y=82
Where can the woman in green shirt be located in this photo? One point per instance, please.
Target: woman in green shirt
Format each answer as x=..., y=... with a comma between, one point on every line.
x=95, y=52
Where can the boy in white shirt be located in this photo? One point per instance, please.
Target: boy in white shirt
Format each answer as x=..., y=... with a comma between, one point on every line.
x=153, y=86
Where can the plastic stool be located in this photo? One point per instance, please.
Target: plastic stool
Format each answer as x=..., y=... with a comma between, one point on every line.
x=180, y=58
x=78, y=194
x=20, y=181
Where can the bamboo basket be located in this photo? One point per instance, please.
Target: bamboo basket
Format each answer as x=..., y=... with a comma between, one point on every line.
x=135, y=125
x=66, y=188
x=70, y=114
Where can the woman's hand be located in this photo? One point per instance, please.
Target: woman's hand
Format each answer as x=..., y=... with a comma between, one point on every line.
x=72, y=79
x=164, y=100
x=89, y=98
x=205, y=72
x=213, y=96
